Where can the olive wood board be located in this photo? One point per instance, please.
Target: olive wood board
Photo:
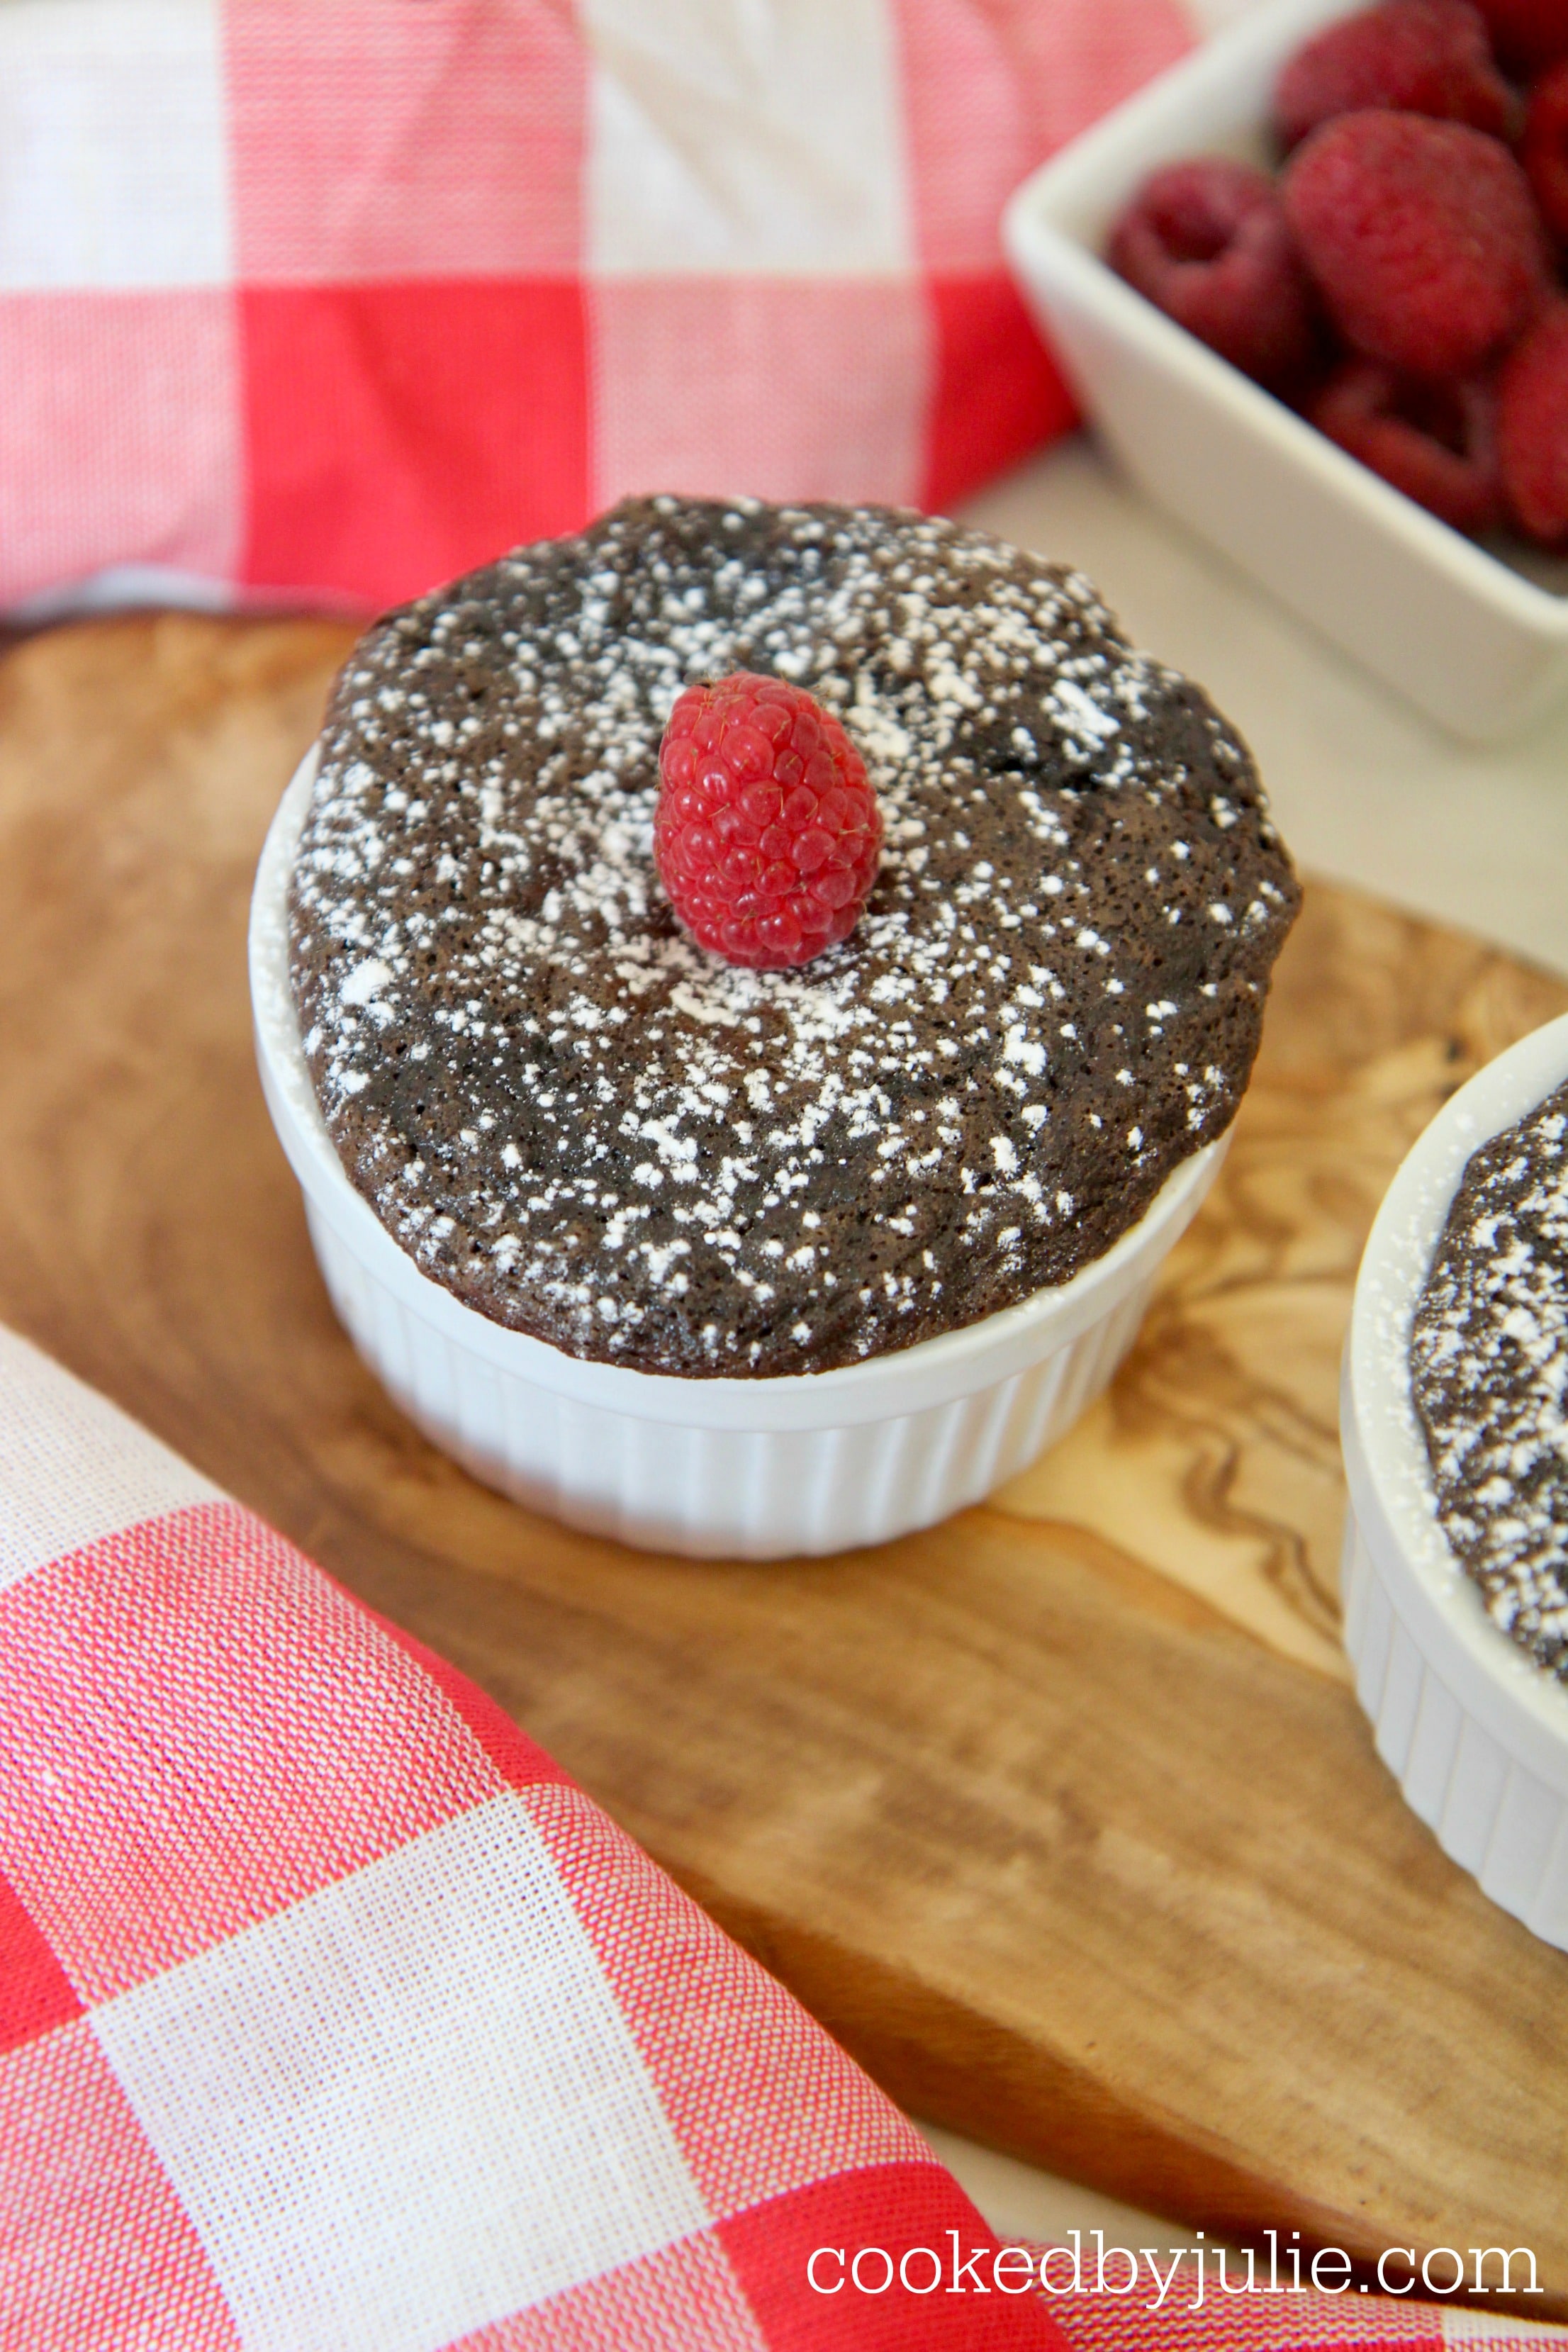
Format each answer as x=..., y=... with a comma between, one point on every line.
x=1062, y=1815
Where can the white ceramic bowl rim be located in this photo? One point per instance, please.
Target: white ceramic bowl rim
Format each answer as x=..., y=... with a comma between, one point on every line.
x=1055, y=194
x=1385, y=1452
x=904, y=1380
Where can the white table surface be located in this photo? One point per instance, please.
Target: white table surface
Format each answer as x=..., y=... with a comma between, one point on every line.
x=1364, y=789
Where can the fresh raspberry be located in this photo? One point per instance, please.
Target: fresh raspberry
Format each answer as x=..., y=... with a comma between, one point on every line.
x=1532, y=427
x=1436, y=442
x=1544, y=152
x=1527, y=33
x=1206, y=241
x=1424, y=57
x=1422, y=237
x=767, y=832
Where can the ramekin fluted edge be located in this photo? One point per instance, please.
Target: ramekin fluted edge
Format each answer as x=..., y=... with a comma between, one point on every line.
x=1473, y=1730
x=756, y=1469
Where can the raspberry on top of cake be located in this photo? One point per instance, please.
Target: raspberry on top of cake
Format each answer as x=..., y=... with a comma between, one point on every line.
x=1489, y=1359
x=593, y=1129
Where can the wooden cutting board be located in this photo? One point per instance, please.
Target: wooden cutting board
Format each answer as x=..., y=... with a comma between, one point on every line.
x=1062, y=1816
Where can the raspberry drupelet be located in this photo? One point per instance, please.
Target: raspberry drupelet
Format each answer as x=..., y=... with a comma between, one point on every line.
x=767, y=833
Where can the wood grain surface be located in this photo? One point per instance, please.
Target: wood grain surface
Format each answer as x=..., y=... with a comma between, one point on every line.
x=1061, y=1815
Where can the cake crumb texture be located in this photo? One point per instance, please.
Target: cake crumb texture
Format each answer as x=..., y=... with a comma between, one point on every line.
x=1489, y=1356
x=593, y=1130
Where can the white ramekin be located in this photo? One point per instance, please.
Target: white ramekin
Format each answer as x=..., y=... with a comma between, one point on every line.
x=1480, y=646
x=1474, y=1731
x=756, y=1469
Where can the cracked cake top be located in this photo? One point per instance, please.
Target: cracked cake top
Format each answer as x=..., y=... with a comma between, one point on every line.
x=592, y=1130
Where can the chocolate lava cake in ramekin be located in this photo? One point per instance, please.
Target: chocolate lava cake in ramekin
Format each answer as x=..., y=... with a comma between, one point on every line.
x=1454, y=1424
x=927, y=1173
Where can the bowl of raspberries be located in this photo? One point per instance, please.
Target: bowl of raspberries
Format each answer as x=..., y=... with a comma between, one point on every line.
x=1311, y=286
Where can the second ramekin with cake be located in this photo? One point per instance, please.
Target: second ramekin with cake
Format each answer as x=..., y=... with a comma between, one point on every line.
x=710, y=1255
x=1454, y=1420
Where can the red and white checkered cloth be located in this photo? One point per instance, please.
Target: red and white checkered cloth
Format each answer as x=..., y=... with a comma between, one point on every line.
x=1287, y=2320
x=334, y=2018
x=338, y=298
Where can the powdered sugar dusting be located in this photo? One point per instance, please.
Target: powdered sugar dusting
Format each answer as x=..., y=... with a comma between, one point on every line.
x=1489, y=1363
x=592, y=1129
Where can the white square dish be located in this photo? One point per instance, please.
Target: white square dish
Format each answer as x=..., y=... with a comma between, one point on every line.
x=1477, y=644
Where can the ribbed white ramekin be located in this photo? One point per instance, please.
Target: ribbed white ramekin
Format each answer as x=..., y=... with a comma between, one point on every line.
x=1476, y=1733
x=755, y=1469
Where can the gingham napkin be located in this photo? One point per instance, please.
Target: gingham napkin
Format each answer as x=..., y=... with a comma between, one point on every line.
x=334, y=2018
x=342, y=297
x=1285, y=2319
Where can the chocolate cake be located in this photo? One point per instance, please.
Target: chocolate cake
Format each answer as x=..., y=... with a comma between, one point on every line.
x=1489, y=1359
x=592, y=1130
